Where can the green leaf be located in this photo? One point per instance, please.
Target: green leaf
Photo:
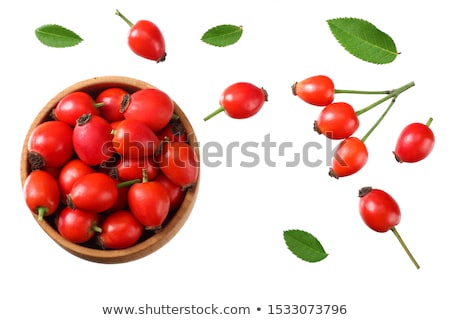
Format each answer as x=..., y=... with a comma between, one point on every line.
x=363, y=40
x=304, y=245
x=56, y=36
x=222, y=35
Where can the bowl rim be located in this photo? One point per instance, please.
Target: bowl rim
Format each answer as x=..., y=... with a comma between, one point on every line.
x=171, y=227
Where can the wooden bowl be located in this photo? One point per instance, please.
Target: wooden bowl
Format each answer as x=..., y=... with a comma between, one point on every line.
x=174, y=222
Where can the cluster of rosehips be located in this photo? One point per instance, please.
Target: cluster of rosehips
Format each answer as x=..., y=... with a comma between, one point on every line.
x=338, y=120
x=111, y=167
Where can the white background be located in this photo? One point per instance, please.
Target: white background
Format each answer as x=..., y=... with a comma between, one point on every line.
x=231, y=250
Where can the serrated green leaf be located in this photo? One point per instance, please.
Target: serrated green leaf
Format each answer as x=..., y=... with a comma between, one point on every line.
x=363, y=40
x=56, y=36
x=304, y=245
x=222, y=35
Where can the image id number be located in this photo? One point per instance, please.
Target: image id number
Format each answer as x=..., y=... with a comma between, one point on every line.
x=307, y=309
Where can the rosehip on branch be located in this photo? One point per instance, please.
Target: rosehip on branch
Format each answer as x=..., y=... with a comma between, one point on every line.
x=338, y=120
x=316, y=90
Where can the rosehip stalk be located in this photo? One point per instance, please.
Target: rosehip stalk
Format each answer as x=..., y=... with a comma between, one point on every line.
x=364, y=138
x=361, y=91
x=399, y=238
x=391, y=94
x=127, y=183
x=41, y=211
x=124, y=18
x=133, y=181
x=214, y=113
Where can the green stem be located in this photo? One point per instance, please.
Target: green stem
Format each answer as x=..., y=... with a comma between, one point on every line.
x=378, y=121
x=397, y=235
x=219, y=110
x=124, y=18
x=97, y=105
x=127, y=183
x=144, y=176
x=430, y=120
x=362, y=91
x=392, y=94
x=96, y=228
x=41, y=211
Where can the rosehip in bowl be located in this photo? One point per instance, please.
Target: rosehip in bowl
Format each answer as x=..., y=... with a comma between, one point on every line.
x=74, y=105
x=94, y=192
x=50, y=145
x=114, y=101
x=92, y=139
x=41, y=193
x=179, y=162
x=134, y=139
x=120, y=230
x=151, y=106
x=77, y=226
x=150, y=203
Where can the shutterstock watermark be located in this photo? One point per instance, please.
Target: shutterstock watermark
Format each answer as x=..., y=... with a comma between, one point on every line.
x=268, y=153
x=246, y=154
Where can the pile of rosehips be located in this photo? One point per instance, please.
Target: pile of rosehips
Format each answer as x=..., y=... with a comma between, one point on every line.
x=338, y=120
x=109, y=170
